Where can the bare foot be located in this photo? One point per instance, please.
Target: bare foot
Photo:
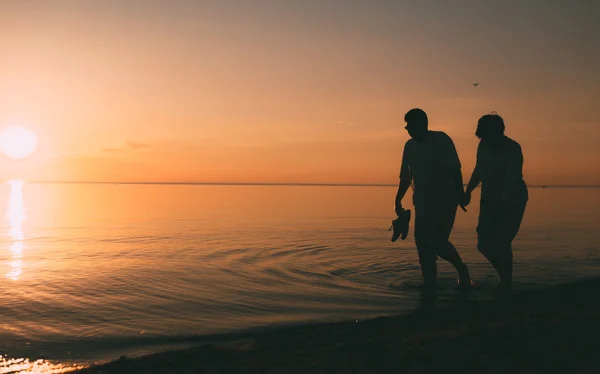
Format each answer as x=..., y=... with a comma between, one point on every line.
x=503, y=287
x=464, y=285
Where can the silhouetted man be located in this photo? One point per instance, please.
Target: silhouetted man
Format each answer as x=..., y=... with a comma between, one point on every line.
x=430, y=163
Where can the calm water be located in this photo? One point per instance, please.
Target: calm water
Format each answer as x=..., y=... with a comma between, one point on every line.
x=89, y=272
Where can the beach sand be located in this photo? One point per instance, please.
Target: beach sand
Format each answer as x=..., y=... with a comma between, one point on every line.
x=554, y=330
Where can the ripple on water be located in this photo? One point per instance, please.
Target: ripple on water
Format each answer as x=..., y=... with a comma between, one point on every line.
x=161, y=262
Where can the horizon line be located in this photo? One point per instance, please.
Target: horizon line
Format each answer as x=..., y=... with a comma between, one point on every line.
x=291, y=184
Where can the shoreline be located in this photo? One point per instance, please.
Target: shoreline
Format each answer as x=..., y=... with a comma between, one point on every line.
x=270, y=184
x=552, y=329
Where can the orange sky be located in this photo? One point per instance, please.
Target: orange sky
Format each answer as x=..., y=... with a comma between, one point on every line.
x=290, y=91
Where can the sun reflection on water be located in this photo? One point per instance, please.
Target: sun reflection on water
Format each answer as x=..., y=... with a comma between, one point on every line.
x=25, y=366
x=16, y=216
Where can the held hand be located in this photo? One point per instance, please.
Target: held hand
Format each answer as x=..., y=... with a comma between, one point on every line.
x=462, y=201
x=466, y=199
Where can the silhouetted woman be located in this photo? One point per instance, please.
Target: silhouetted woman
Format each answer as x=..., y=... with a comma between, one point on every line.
x=504, y=195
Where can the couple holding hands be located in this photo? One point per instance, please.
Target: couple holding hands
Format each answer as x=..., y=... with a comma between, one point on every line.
x=430, y=164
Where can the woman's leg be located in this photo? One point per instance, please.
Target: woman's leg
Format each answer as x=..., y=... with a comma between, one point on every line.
x=494, y=239
x=509, y=228
x=487, y=239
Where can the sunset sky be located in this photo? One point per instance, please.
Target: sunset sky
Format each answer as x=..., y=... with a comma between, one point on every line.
x=307, y=91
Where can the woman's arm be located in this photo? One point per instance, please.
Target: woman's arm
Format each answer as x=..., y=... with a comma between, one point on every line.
x=514, y=171
x=474, y=181
x=475, y=178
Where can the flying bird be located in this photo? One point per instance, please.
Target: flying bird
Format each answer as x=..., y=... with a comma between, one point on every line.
x=475, y=84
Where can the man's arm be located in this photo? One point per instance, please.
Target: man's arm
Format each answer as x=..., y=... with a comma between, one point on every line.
x=405, y=180
x=458, y=184
x=452, y=162
x=402, y=188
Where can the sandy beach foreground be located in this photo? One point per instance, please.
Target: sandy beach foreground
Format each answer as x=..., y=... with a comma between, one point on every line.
x=554, y=330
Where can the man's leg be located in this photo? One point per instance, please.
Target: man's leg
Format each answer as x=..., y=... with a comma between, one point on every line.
x=507, y=268
x=427, y=255
x=444, y=248
x=449, y=253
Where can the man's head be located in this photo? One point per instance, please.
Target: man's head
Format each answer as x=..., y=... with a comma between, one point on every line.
x=416, y=124
x=490, y=128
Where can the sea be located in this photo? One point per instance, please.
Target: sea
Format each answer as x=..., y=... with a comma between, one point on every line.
x=90, y=272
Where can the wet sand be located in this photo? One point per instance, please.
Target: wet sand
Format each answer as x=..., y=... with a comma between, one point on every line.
x=553, y=330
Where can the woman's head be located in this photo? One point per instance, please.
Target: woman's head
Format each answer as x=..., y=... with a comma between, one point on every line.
x=490, y=128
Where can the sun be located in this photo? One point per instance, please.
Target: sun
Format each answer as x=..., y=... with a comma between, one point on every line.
x=17, y=142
